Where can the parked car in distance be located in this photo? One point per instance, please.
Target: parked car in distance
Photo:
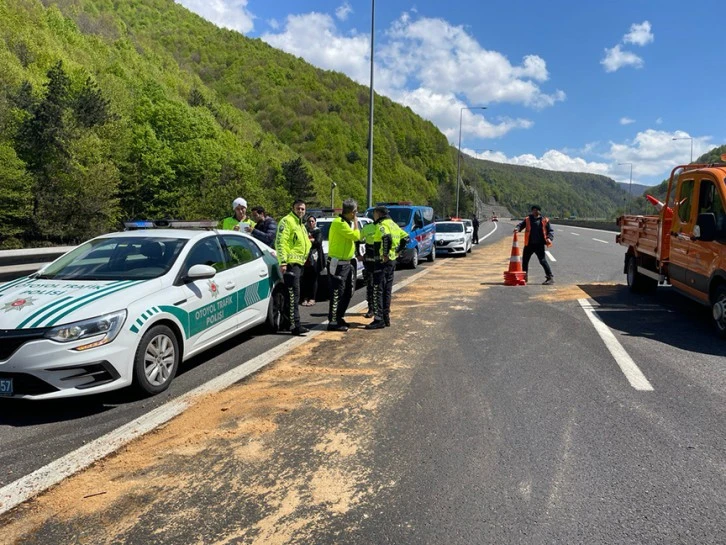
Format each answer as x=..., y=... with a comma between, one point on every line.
x=495, y=218
x=451, y=238
x=418, y=222
x=127, y=308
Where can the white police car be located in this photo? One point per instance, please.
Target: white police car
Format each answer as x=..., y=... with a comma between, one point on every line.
x=126, y=308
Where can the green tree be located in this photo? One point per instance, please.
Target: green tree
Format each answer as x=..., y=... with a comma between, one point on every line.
x=297, y=180
x=17, y=198
x=90, y=106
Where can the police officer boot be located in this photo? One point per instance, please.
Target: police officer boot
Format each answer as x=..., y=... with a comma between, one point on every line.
x=299, y=330
x=337, y=326
x=376, y=324
x=387, y=320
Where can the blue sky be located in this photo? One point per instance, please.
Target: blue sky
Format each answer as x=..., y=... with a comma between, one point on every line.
x=568, y=85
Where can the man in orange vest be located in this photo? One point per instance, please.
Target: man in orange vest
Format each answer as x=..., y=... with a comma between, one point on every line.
x=537, y=235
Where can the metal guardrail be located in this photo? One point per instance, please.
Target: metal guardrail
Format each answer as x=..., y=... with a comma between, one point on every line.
x=17, y=263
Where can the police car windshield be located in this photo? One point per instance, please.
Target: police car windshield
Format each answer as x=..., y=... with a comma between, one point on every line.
x=117, y=258
x=450, y=227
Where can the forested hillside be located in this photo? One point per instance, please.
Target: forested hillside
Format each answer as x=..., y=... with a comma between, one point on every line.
x=558, y=193
x=112, y=110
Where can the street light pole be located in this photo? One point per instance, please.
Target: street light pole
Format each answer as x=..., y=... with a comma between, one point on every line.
x=686, y=138
x=458, y=156
x=630, y=185
x=370, y=118
x=333, y=185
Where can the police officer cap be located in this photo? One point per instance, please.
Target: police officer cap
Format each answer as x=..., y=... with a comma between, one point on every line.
x=536, y=207
x=383, y=210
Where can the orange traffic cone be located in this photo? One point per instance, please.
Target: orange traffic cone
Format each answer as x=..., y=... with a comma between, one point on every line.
x=515, y=276
x=659, y=205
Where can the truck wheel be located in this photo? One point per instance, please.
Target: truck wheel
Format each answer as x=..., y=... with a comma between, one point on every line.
x=156, y=360
x=719, y=311
x=638, y=283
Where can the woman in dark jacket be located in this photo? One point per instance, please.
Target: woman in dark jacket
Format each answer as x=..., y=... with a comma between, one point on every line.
x=313, y=265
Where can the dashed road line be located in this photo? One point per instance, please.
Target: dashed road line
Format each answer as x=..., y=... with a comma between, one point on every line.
x=550, y=256
x=632, y=372
x=576, y=234
x=603, y=241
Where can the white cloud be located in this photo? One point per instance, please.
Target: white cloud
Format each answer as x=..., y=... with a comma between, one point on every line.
x=343, y=11
x=653, y=154
x=274, y=25
x=640, y=34
x=626, y=121
x=446, y=59
x=427, y=64
x=616, y=58
x=659, y=121
x=232, y=14
x=445, y=111
x=315, y=37
x=550, y=160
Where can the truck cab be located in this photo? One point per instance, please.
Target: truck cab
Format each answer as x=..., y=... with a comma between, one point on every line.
x=686, y=243
x=698, y=233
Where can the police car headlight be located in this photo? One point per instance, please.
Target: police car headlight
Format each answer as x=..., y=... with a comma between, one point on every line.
x=108, y=325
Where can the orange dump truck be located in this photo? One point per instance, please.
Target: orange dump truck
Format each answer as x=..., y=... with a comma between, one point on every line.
x=684, y=245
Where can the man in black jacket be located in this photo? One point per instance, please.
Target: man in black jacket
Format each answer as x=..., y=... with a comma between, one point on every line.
x=538, y=233
x=265, y=226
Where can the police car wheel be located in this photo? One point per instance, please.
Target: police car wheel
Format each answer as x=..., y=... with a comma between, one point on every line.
x=274, y=311
x=414, y=259
x=432, y=255
x=156, y=360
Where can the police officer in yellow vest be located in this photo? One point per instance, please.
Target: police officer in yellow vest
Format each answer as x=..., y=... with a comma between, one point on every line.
x=367, y=232
x=385, y=243
x=239, y=220
x=343, y=235
x=292, y=245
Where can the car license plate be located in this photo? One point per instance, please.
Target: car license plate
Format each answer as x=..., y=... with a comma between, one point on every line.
x=6, y=386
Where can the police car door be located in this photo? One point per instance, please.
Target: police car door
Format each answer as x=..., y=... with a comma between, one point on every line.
x=251, y=275
x=210, y=304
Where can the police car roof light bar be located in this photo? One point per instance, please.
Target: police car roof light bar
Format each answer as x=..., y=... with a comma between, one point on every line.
x=170, y=224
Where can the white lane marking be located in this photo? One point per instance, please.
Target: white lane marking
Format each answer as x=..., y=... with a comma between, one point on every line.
x=603, y=241
x=635, y=376
x=576, y=234
x=38, y=481
x=551, y=257
x=490, y=233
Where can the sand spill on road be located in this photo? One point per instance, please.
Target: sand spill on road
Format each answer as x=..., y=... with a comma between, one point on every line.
x=276, y=458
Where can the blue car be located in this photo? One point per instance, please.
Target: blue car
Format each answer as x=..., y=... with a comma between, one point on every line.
x=418, y=222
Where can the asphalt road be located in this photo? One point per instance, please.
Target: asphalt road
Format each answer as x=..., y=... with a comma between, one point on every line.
x=515, y=424
x=36, y=433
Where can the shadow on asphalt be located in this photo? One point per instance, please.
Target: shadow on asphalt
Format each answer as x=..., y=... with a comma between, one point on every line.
x=665, y=316
x=20, y=412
